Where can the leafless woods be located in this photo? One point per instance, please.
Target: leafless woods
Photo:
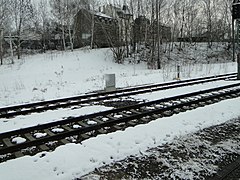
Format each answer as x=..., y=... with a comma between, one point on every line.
x=136, y=29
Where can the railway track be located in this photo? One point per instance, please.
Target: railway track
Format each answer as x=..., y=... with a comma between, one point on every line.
x=46, y=137
x=231, y=171
x=11, y=111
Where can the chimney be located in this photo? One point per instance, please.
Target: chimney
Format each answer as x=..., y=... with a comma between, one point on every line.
x=104, y=9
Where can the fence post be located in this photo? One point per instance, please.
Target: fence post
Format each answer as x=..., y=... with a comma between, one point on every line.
x=178, y=72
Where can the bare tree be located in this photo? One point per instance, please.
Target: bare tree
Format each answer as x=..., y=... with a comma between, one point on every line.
x=72, y=8
x=59, y=11
x=64, y=12
x=4, y=16
x=93, y=7
x=160, y=4
x=22, y=12
x=1, y=45
x=42, y=21
x=207, y=4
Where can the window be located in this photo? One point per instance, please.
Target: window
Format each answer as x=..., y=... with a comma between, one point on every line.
x=86, y=35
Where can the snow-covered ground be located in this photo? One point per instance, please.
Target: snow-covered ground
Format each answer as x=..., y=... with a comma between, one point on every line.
x=76, y=111
x=56, y=74
x=74, y=160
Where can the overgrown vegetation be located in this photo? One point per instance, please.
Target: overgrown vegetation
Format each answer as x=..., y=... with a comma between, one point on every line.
x=147, y=30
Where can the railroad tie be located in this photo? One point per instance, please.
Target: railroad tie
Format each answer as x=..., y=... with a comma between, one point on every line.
x=29, y=137
x=18, y=154
x=67, y=128
x=7, y=142
x=44, y=147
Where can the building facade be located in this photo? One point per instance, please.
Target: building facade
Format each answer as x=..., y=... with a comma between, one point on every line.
x=95, y=29
x=125, y=21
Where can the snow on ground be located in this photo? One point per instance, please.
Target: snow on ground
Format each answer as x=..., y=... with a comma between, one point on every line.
x=46, y=117
x=195, y=156
x=179, y=91
x=76, y=111
x=58, y=74
x=55, y=74
x=74, y=160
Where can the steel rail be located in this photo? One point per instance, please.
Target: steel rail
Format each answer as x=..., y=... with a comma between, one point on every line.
x=112, y=111
x=228, y=171
x=211, y=95
x=102, y=113
x=24, y=109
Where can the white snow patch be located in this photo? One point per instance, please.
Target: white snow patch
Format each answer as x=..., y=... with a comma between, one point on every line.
x=40, y=135
x=18, y=140
x=76, y=126
x=91, y=122
x=57, y=130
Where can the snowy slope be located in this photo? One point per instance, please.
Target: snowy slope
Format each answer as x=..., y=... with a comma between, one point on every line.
x=56, y=74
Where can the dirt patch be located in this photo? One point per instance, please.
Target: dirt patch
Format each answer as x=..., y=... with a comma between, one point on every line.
x=195, y=156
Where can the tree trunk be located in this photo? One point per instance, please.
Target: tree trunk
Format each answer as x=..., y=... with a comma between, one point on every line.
x=158, y=34
x=11, y=47
x=63, y=38
x=1, y=46
x=152, y=58
x=19, y=48
x=92, y=32
x=183, y=20
x=70, y=37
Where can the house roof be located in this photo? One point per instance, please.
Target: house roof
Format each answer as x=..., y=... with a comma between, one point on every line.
x=98, y=14
x=116, y=10
x=103, y=15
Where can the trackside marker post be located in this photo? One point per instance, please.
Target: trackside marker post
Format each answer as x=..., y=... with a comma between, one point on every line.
x=178, y=72
x=110, y=82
